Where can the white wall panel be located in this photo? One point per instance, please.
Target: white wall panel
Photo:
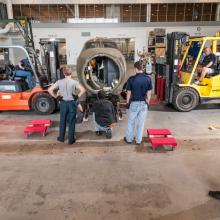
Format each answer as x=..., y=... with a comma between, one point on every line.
x=75, y=42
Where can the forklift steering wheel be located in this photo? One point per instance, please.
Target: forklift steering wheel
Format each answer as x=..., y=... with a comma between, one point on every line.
x=8, y=70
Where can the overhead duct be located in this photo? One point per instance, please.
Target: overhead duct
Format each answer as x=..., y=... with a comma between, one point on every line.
x=109, y=69
x=6, y=29
x=9, y=26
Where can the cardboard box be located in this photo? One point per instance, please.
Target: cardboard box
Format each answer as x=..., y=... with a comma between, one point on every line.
x=160, y=52
x=159, y=31
x=151, y=33
x=160, y=45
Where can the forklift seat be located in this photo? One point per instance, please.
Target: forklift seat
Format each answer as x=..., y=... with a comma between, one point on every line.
x=212, y=74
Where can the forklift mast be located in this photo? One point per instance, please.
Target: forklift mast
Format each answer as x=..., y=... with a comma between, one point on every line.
x=24, y=26
x=50, y=48
x=51, y=59
x=175, y=41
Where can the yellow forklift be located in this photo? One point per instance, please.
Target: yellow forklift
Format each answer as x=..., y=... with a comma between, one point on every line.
x=184, y=55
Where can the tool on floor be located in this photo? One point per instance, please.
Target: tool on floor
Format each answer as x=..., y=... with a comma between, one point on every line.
x=161, y=137
x=213, y=127
x=37, y=126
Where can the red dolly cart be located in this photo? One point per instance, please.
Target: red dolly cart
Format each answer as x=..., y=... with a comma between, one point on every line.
x=161, y=137
x=37, y=126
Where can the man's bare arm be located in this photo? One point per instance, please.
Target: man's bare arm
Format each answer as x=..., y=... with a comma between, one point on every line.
x=149, y=92
x=81, y=90
x=209, y=64
x=52, y=93
x=80, y=108
x=20, y=66
x=128, y=96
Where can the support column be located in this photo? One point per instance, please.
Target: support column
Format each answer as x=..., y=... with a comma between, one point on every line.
x=148, y=13
x=9, y=9
x=218, y=12
x=109, y=10
x=113, y=12
x=76, y=11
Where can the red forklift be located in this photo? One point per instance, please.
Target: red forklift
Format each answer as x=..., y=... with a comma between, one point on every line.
x=14, y=91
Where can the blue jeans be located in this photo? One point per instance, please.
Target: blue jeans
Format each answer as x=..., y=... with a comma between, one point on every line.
x=67, y=114
x=137, y=114
x=25, y=74
x=99, y=127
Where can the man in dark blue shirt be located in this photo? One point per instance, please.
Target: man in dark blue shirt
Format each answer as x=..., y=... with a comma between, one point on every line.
x=208, y=65
x=138, y=97
x=23, y=70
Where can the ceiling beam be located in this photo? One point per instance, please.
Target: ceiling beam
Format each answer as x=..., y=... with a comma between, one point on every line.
x=108, y=1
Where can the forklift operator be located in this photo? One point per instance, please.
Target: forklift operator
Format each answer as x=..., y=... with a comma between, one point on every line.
x=208, y=65
x=23, y=70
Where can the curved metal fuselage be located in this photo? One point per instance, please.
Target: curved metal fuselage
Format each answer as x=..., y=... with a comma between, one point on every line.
x=109, y=69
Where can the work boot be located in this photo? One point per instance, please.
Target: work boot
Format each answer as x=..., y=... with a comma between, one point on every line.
x=215, y=194
x=109, y=134
x=74, y=140
x=198, y=83
x=59, y=139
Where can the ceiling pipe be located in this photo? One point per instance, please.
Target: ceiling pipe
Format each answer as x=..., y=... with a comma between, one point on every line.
x=6, y=29
x=9, y=26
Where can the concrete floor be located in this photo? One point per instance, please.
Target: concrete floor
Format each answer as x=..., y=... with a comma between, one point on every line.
x=189, y=125
x=109, y=183
x=98, y=179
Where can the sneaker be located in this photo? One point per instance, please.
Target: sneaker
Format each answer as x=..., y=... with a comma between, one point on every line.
x=197, y=82
x=127, y=142
x=215, y=194
x=85, y=119
x=109, y=134
x=98, y=133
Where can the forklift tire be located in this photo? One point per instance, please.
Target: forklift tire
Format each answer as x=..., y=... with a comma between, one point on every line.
x=43, y=104
x=185, y=99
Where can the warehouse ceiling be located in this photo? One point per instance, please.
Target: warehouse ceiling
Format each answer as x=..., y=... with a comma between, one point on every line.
x=106, y=1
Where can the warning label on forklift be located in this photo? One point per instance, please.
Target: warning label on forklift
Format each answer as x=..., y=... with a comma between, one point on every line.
x=6, y=97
